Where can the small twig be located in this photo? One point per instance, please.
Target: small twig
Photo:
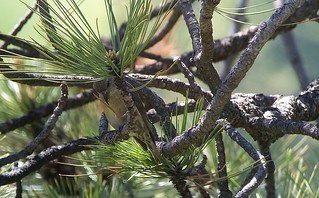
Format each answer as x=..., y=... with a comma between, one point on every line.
x=26, y=48
x=44, y=133
x=314, y=16
x=165, y=28
x=295, y=58
x=44, y=157
x=194, y=171
x=43, y=80
x=162, y=8
x=255, y=179
x=156, y=57
x=152, y=69
x=18, y=184
x=175, y=85
x=270, y=167
x=104, y=124
x=20, y=25
x=190, y=77
x=43, y=111
x=174, y=108
x=221, y=167
x=110, y=137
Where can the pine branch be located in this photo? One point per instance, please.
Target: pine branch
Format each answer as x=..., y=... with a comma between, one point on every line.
x=36, y=162
x=28, y=150
x=43, y=111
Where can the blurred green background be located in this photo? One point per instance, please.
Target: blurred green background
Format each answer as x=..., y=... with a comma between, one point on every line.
x=271, y=74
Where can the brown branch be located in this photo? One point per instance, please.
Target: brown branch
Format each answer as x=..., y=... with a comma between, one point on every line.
x=156, y=11
x=175, y=85
x=205, y=68
x=193, y=28
x=239, y=71
x=223, y=48
x=171, y=21
x=180, y=184
x=27, y=49
x=221, y=166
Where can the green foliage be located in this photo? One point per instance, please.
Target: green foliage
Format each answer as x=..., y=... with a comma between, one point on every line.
x=129, y=157
x=296, y=178
x=77, y=48
x=130, y=162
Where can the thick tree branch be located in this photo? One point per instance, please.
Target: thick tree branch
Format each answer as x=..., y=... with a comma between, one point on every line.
x=271, y=129
x=264, y=33
x=205, y=68
x=193, y=28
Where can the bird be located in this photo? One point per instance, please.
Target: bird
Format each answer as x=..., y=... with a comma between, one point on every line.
x=115, y=111
x=112, y=102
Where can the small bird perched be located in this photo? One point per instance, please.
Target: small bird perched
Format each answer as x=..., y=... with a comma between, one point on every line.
x=112, y=102
x=115, y=110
